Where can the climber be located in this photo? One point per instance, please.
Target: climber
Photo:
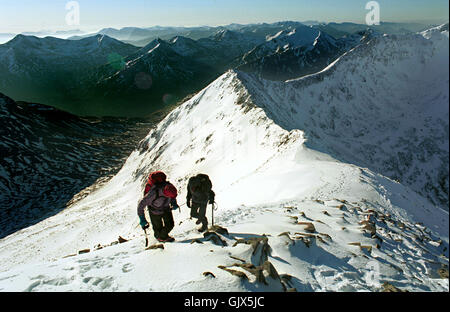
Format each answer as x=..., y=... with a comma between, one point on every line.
x=160, y=198
x=199, y=194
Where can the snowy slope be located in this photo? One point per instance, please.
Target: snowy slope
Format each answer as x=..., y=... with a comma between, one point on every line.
x=321, y=223
x=382, y=106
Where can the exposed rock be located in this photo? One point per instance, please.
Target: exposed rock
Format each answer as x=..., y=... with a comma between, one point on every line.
x=285, y=234
x=305, y=234
x=256, y=271
x=84, y=251
x=326, y=236
x=370, y=218
x=391, y=288
x=286, y=278
x=122, y=240
x=270, y=269
x=321, y=239
x=219, y=230
x=196, y=240
x=216, y=239
x=236, y=258
x=377, y=237
x=443, y=272
x=239, y=274
x=156, y=246
x=209, y=274
x=261, y=248
x=401, y=225
x=369, y=227
x=305, y=238
x=309, y=227
x=261, y=272
x=365, y=247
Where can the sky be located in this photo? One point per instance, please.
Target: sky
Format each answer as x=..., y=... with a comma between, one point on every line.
x=31, y=15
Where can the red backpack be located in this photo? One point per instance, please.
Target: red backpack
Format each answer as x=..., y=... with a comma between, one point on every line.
x=156, y=177
x=159, y=177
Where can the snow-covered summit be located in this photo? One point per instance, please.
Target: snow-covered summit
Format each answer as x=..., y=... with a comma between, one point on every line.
x=300, y=36
x=436, y=32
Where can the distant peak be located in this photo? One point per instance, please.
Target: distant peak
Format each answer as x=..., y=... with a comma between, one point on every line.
x=443, y=27
x=154, y=44
x=225, y=34
x=20, y=38
x=436, y=32
x=180, y=39
x=100, y=37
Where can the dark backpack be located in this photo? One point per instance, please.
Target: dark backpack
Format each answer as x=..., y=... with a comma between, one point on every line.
x=200, y=188
x=200, y=184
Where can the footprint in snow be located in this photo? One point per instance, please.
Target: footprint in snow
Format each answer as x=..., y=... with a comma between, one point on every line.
x=127, y=268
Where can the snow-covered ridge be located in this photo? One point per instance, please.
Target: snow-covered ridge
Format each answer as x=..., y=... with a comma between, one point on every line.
x=298, y=52
x=381, y=105
x=272, y=176
x=297, y=37
x=436, y=32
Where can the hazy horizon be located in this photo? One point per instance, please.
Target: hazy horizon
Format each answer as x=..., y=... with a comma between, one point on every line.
x=51, y=15
x=94, y=30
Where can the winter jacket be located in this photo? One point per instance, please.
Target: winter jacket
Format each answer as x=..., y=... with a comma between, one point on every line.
x=157, y=202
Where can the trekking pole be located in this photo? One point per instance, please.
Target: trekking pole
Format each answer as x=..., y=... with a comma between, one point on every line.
x=146, y=238
x=179, y=207
x=212, y=215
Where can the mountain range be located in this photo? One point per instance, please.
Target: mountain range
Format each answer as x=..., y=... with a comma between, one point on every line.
x=142, y=36
x=102, y=76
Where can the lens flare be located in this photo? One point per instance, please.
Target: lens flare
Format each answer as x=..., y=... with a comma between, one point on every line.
x=143, y=81
x=168, y=98
x=116, y=61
